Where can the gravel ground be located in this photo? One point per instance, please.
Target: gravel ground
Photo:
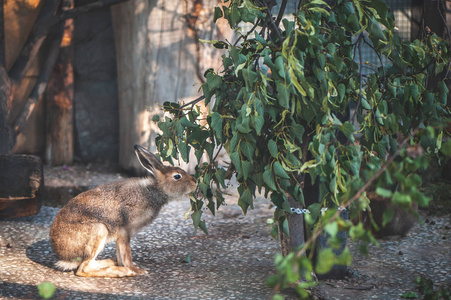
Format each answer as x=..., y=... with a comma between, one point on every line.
x=390, y=269
x=232, y=262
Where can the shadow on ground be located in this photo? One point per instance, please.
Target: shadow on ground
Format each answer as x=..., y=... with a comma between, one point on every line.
x=24, y=291
x=39, y=253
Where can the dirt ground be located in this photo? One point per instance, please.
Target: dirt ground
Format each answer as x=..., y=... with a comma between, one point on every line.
x=232, y=262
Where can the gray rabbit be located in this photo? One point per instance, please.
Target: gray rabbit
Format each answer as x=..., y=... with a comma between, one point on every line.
x=114, y=212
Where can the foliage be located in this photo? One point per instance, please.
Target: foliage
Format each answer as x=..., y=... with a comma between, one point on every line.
x=281, y=110
x=426, y=288
x=46, y=290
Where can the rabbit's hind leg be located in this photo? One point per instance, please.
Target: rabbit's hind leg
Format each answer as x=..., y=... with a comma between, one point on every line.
x=104, y=263
x=94, y=268
x=90, y=267
x=124, y=253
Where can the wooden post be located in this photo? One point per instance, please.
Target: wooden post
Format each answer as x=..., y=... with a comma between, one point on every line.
x=59, y=96
x=2, y=36
x=5, y=133
x=157, y=61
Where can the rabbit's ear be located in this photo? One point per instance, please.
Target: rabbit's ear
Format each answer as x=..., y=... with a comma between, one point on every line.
x=148, y=160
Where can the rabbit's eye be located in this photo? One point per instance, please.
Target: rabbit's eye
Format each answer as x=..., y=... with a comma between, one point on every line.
x=177, y=176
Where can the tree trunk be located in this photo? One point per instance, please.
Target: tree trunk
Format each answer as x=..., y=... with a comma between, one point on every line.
x=158, y=57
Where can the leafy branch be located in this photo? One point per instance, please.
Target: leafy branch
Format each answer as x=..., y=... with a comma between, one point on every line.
x=280, y=110
x=319, y=230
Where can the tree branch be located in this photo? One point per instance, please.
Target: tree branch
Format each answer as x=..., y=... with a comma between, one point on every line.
x=271, y=20
x=281, y=12
x=193, y=102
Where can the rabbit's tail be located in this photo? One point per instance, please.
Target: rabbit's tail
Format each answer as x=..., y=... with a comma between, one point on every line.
x=67, y=265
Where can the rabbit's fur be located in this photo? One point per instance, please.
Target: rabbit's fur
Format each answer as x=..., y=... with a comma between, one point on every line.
x=114, y=212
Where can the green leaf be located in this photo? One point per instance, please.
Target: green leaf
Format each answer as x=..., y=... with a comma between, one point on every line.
x=446, y=148
x=341, y=91
x=259, y=123
x=356, y=231
x=246, y=197
x=375, y=30
x=345, y=258
x=260, y=39
x=155, y=118
x=420, y=198
x=331, y=48
x=272, y=147
x=218, y=14
x=365, y=103
x=216, y=124
x=46, y=290
x=383, y=192
x=348, y=130
x=387, y=216
x=308, y=164
x=319, y=10
x=321, y=59
x=279, y=64
x=269, y=179
x=195, y=216
x=244, y=126
x=246, y=168
x=203, y=226
x=213, y=81
x=248, y=150
x=353, y=22
x=184, y=150
x=331, y=228
x=279, y=171
x=235, y=157
x=401, y=199
x=410, y=295
x=272, y=281
x=441, y=85
x=296, y=83
x=207, y=93
x=325, y=261
x=298, y=131
x=283, y=95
